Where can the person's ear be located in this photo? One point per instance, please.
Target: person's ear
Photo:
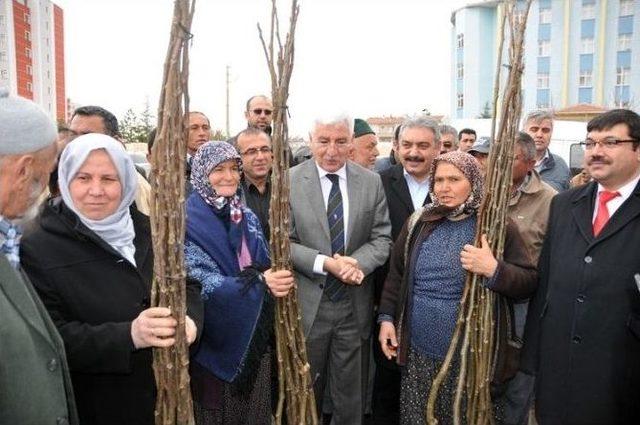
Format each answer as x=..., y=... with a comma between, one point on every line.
x=25, y=169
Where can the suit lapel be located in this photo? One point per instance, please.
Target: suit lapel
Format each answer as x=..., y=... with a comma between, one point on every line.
x=399, y=185
x=17, y=291
x=314, y=192
x=583, y=211
x=354, y=189
x=629, y=210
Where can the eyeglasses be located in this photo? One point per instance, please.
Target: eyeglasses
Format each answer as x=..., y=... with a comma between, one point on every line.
x=608, y=143
x=259, y=111
x=254, y=151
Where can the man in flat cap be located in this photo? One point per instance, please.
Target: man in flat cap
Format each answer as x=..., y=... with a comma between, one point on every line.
x=35, y=387
x=365, y=145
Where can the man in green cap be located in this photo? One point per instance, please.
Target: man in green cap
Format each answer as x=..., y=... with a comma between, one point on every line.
x=365, y=145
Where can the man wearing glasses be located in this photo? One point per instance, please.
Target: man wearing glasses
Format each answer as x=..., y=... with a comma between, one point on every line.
x=582, y=338
x=254, y=145
x=259, y=113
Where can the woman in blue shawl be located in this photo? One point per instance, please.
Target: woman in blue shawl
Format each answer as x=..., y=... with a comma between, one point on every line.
x=226, y=252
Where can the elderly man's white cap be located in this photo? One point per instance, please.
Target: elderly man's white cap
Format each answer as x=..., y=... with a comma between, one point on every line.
x=24, y=126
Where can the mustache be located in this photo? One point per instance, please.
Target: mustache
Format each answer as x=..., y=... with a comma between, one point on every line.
x=414, y=158
x=598, y=159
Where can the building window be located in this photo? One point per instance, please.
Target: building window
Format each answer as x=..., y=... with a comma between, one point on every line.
x=29, y=87
x=544, y=47
x=460, y=71
x=588, y=11
x=29, y=70
x=3, y=40
x=4, y=74
x=460, y=101
x=27, y=51
x=27, y=35
x=624, y=42
x=545, y=16
x=585, y=79
x=626, y=7
x=1, y=20
x=460, y=41
x=543, y=81
x=623, y=76
x=587, y=46
x=3, y=56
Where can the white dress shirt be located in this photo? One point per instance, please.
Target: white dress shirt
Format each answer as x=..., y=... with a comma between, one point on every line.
x=325, y=185
x=417, y=190
x=613, y=205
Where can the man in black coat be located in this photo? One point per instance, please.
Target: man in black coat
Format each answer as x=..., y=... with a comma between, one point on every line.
x=582, y=338
x=406, y=187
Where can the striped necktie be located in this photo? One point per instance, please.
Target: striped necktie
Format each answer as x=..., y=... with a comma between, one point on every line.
x=334, y=288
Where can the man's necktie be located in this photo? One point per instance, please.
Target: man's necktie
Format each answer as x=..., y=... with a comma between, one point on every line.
x=334, y=288
x=603, y=213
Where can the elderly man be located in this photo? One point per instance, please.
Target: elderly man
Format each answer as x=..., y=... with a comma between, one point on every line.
x=406, y=187
x=365, y=145
x=259, y=113
x=448, y=138
x=95, y=119
x=34, y=377
x=340, y=234
x=254, y=145
x=551, y=167
x=529, y=210
x=466, y=139
x=582, y=338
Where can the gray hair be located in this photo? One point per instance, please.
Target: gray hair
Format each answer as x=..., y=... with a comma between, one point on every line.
x=333, y=119
x=447, y=129
x=527, y=145
x=422, y=122
x=539, y=115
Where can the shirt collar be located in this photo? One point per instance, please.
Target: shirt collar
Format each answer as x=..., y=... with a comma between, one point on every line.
x=544, y=158
x=409, y=176
x=342, y=172
x=626, y=190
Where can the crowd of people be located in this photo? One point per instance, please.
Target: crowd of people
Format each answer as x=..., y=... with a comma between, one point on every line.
x=380, y=248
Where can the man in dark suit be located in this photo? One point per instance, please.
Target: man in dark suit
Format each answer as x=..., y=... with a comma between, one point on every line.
x=406, y=187
x=582, y=337
x=340, y=234
x=35, y=387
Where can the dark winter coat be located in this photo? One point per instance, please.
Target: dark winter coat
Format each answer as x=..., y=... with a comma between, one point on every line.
x=93, y=294
x=583, y=330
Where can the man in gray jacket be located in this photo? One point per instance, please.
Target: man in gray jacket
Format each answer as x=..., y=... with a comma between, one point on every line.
x=35, y=387
x=340, y=234
x=552, y=168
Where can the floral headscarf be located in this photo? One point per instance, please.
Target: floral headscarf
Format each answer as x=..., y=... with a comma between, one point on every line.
x=208, y=157
x=471, y=170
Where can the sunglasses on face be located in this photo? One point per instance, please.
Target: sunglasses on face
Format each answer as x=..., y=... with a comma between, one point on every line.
x=259, y=111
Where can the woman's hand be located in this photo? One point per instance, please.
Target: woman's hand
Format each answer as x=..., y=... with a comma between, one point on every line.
x=279, y=282
x=479, y=260
x=387, y=339
x=191, y=330
x=154, y=327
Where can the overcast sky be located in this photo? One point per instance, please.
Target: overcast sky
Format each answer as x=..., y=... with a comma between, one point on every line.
x=366, y=57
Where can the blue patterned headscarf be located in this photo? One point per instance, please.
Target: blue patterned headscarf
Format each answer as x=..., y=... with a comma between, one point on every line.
x=208, y=157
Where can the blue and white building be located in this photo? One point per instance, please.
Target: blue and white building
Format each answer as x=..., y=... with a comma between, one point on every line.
x=576, y=51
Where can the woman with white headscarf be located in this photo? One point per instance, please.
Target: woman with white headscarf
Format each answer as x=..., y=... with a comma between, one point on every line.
x=90, y=258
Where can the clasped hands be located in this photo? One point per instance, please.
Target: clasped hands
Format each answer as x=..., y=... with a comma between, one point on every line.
x=345, y=268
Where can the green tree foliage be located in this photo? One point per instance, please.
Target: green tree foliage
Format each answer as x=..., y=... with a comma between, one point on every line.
x=135, y=127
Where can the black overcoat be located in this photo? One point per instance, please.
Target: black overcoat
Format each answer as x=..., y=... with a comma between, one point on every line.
x=583, y=330
x=93, y=294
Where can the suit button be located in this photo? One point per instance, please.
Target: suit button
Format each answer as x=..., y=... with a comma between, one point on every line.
x=588, y=259
x=52, y=365
x=580, y=298
x=321, y=286
x=62, y=421
x=576, y=339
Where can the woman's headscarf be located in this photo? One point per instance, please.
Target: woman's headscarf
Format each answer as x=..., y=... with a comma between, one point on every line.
x=468, y=165
x=116, y=229
x=208, y=157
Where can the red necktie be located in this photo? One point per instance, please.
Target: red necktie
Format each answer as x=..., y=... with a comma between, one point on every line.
x=603, y=213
